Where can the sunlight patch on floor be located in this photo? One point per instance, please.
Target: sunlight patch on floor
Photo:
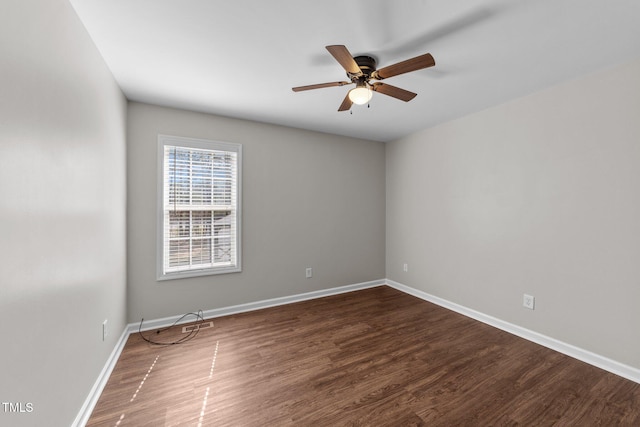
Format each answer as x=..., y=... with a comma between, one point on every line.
x=144, y=379
x=213, y=362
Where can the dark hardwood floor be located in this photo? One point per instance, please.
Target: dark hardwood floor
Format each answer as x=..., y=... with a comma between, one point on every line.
x=376, y=357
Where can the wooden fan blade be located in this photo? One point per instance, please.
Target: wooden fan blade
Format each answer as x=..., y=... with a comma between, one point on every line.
x=342, y=55
x=395, y=92
x=413, y=64
x=319, y=86
x=346, y=104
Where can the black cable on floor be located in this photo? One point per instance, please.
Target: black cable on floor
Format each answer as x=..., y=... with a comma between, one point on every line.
x=192, y=334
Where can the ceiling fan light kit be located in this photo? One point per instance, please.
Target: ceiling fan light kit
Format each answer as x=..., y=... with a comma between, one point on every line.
x=362, y=69
x=361, y=94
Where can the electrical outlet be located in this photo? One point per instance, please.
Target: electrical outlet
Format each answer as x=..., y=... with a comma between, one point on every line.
x=105, y=330
x=309, y=273
x=405, y=267
x=528, y=301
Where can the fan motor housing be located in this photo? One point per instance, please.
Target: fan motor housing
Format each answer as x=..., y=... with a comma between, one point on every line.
x=366, y=63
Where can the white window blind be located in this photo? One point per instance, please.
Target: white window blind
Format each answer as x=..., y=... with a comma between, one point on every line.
x=200, y=207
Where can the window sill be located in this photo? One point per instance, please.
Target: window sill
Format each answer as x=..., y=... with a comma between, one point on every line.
x=197, y=273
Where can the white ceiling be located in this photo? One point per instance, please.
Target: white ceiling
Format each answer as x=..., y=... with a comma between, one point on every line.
x=240, y=58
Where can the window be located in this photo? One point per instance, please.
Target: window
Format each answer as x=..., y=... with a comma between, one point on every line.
x=199, y=207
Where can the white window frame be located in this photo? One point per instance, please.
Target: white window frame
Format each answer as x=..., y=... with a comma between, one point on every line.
x=177, y=141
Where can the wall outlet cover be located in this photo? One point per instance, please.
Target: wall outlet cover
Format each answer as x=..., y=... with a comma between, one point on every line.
x=528, y=301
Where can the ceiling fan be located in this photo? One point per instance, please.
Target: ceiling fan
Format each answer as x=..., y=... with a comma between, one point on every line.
x=362, y=69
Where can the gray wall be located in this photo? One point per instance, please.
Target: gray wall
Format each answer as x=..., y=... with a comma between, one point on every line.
x=62, y=211
x=309, y=200
x=538, y=196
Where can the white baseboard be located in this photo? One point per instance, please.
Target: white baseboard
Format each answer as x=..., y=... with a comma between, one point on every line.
x=98, y=386
x=586, y=356
x=258, y=305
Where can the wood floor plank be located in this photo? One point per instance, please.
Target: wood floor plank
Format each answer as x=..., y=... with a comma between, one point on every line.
x=372, y=357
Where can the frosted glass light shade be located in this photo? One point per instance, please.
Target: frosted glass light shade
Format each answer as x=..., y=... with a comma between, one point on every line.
x=360, y=95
